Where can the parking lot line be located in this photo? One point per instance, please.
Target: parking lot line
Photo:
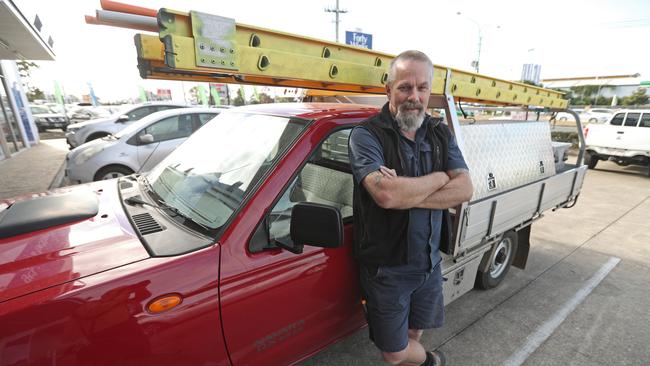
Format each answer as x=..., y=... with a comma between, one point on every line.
x=546, y=329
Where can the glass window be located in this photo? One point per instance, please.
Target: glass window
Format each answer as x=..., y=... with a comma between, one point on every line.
x=171, y=128
x=164, y=107
x=205, y=117
x=325, y=179
x=632, y=119
x=138, y=113
x=618, y=119
x=645, y=120
x=207, y=177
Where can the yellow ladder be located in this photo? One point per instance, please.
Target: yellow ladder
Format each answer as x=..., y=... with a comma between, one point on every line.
x=197, y=46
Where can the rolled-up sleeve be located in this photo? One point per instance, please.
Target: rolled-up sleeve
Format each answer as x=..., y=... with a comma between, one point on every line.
x=455, y=159
x=366, y=155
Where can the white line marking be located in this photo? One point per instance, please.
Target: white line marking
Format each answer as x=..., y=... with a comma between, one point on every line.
x=546, y=329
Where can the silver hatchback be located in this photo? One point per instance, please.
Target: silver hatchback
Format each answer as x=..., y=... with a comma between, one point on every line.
x=137, y=148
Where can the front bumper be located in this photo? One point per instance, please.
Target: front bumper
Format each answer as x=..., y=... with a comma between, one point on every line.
x=77, y=174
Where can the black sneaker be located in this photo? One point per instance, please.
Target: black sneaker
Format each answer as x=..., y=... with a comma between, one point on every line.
x=438, y=358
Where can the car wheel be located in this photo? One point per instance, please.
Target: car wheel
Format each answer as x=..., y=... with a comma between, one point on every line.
x=499, y=261
x=563, y=119
x=112, y=172
x=591, y=160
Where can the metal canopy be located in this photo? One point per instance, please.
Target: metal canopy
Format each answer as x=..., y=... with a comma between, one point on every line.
x=18, y=37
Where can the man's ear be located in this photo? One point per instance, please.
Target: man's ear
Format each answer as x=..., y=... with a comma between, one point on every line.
x=388, y=90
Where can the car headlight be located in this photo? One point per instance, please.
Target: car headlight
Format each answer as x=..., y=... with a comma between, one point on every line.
x=88, y=153
x=40, y=119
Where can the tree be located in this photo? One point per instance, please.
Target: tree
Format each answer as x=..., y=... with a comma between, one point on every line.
x=639, y=97
x=239, y=99
x=34, y=93
x=24, y=70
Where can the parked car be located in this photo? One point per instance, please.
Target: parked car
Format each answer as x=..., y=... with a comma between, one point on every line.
x=596, y=115
x=87, y=113
x=624, y=139
x=137, y=148
x=563, y=116
x=79, y=133
x=45, y=118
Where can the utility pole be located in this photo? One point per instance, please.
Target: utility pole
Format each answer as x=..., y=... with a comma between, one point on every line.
x=337, y=11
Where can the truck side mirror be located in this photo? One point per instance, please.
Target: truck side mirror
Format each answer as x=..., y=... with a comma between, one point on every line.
x=316, y=225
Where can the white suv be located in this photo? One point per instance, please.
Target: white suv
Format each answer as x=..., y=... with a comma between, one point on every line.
x=624, y=139
x=82, y=132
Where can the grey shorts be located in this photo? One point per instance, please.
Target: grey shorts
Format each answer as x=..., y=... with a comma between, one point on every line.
x=396, y=303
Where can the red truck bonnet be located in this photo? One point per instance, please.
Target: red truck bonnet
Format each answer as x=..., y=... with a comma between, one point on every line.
x=43, y=258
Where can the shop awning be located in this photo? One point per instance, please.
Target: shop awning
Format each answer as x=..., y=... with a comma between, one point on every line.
x=19, y=39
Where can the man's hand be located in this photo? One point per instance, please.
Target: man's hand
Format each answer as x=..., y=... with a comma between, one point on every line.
x=394, y=192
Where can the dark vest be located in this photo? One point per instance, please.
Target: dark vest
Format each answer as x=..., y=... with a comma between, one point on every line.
x=381, y=235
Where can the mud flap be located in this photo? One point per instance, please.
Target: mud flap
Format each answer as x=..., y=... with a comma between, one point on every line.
x=523, y=246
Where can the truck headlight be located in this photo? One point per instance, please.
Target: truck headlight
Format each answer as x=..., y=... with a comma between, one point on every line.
x=88, y=153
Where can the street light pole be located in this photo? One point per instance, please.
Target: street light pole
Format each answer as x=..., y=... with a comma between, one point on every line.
x=477, y=63
x=480, y=40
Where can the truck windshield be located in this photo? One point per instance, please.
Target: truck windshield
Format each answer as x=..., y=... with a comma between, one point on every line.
x=207, y=177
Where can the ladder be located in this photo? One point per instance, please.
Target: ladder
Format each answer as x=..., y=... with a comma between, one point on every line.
x=202, y=47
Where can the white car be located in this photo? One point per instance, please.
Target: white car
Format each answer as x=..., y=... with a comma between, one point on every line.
x=596, y=115
x=137, y=148
x=79, y=133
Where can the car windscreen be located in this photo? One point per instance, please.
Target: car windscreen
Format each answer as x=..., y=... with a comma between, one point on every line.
x=207, y=177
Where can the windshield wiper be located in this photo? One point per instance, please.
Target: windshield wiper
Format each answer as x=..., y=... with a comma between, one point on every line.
x=136, y=200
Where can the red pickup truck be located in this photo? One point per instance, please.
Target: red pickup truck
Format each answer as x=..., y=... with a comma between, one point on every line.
x=236, y=249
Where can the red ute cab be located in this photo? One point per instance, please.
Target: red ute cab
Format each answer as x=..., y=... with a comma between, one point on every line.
x=236, y=249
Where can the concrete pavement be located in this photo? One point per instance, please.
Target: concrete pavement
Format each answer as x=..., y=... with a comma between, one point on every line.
x=608, y=325
x=33, y=170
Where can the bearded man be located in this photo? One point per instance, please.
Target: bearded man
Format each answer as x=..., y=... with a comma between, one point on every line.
x=408, y=170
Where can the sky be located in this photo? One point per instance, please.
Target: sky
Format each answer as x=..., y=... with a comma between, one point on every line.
x=568, y=38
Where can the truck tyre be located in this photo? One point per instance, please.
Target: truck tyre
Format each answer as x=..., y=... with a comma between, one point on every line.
x=95, y=136
x=591, y=160
x=499, y=261
x=112, y=171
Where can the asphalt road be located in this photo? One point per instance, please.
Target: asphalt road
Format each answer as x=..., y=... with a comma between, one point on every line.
x=582, y=300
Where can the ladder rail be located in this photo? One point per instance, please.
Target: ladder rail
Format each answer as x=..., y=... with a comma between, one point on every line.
x=197, y=46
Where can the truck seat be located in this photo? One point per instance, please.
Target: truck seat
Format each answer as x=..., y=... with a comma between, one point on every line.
x=324, y=185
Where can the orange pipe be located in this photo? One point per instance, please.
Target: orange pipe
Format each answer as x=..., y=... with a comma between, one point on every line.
x=127, y=8
x=91, y=20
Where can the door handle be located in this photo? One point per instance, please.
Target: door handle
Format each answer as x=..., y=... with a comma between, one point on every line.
x=620, y=132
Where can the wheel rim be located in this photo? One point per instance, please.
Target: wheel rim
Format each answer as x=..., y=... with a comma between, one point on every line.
x=501, y=257
x=112, y=175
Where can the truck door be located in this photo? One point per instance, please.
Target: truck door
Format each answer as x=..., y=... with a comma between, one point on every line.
x=639, y=136
x=625, y=132
x=290, y=305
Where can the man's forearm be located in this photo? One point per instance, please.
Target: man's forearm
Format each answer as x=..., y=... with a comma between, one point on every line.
x=457, y=190
x=403, y=192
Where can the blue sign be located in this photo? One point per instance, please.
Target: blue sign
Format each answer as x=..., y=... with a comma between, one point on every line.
x=358, y=39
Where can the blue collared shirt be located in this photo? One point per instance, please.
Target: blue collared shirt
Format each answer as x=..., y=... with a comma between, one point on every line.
x=366, y=156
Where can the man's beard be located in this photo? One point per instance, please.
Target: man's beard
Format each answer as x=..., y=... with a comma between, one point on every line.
x=407, y=120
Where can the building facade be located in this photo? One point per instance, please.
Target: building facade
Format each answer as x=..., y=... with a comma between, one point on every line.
x=20, y=39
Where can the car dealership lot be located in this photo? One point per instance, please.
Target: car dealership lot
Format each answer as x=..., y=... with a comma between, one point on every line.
x=556, y=311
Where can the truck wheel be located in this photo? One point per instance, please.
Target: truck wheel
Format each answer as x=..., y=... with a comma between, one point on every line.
x=499, y=262
x=112, y=171
x=591, y=160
